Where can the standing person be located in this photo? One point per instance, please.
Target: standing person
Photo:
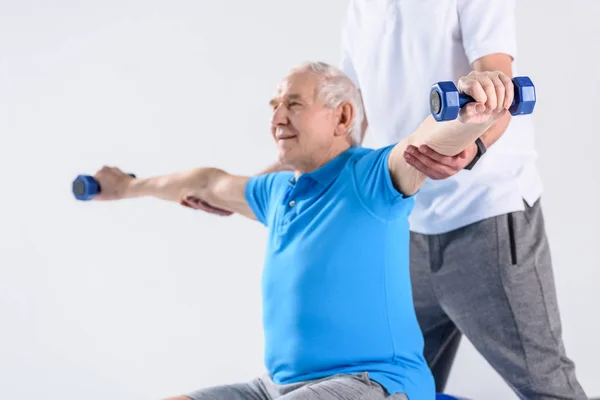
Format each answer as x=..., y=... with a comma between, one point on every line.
x=480, y=260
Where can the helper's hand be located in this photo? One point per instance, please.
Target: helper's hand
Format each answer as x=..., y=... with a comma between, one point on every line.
x=113, y=183
x=438, y=166
x=493, y=93
x=198, y=204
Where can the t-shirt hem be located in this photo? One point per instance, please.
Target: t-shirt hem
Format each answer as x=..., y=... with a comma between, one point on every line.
x=483, y=214
x=393, y=387
x=528, y=188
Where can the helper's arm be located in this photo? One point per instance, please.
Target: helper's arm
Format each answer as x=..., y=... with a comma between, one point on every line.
x=212, y=185
x=493, y=94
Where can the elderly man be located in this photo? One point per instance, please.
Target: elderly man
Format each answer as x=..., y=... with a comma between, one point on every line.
x=339, y=320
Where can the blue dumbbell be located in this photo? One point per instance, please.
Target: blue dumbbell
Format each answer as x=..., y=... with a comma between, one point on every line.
x=445, y=101
x=85, y=187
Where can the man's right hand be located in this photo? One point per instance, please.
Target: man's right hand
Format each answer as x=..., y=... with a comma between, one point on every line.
x=114, y=183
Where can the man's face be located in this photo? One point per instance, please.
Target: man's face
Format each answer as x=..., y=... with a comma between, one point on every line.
x=303, y=128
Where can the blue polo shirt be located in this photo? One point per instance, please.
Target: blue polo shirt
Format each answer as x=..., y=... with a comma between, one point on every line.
x=336, y=288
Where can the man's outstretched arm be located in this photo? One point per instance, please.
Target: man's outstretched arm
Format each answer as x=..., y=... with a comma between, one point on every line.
x=202, y=204
x=493, y=95
x=212, y=185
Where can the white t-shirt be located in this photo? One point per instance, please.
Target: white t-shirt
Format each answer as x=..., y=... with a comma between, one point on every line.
x=394, y=50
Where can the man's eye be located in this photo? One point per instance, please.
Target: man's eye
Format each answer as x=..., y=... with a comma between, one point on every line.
x=294, y=103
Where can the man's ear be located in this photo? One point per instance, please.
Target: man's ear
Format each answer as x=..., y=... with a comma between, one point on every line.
x=344, y=118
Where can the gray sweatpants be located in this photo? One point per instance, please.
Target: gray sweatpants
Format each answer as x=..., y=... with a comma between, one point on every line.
x=493, y=282
x=350, y=387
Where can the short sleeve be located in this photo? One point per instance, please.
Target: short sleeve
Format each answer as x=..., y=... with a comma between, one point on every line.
x=374, y=183
x=488, y=26
x=263, y=193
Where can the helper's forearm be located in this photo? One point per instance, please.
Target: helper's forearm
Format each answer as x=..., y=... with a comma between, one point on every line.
x=495, y=131
x=448, y=138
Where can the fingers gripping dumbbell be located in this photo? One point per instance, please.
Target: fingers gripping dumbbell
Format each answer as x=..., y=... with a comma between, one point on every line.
x=86, y=187
x=445, y=101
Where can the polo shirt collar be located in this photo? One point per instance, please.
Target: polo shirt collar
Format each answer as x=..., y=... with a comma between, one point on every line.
x=328, y=172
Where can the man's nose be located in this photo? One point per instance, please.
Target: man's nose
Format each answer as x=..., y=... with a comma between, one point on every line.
x=280, y=116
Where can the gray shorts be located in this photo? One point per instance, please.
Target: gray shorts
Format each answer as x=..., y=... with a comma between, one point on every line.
x=336, y=387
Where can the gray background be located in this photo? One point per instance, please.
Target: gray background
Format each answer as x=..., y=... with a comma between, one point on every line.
x=143, y=299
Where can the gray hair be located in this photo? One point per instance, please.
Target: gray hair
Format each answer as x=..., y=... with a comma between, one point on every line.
x=335, y=87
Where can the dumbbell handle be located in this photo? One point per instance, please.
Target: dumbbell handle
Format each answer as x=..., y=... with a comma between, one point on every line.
x=464, y=99
x=86, y=187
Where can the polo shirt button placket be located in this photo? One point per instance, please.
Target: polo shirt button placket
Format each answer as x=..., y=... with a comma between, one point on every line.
x=288, y=217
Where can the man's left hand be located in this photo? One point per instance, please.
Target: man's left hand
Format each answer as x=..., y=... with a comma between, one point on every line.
x=435, y=165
